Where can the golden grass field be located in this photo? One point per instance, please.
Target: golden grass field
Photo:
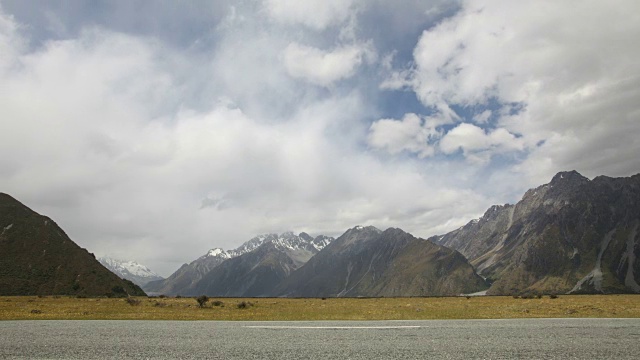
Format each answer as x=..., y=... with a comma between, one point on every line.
x=481, y=307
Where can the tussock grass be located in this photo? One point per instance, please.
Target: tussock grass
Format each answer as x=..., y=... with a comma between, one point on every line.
x=480, y=307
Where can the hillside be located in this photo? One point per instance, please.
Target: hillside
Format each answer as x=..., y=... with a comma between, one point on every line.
x=573, y=235
x=242, y=266
x=38, y=258
x=365, y=261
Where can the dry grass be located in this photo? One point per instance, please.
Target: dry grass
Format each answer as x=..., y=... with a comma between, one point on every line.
x=482, y=307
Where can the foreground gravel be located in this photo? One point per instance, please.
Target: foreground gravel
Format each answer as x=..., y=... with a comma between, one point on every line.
x=455, y=339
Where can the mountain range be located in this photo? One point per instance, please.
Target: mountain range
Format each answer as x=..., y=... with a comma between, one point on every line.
x=292, y=251
x=572, y=235
x=366, y=261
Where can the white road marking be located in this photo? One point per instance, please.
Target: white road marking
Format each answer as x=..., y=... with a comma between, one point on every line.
x=332, y=327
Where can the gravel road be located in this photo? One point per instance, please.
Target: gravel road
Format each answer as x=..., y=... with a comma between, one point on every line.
x=455, y=339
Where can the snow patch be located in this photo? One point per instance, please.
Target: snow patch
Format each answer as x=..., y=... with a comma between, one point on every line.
x=217, y=252
x=6, y=228
x=629, y=280
x=574, y=253
x=595, y=276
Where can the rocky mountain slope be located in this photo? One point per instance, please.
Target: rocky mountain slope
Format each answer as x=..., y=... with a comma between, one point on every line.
x=571, y=235
x=365, y=261
x=292, y=250
x=38, y=258
x=130, y=270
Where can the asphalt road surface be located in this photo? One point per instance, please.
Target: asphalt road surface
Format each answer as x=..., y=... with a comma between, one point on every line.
x=455, y=339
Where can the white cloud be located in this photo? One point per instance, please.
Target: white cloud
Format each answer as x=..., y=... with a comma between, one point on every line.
x=577, y=81
x=409, y=134
x=476, y=144
x=99, y=136
x=316, y=14
x=138, y=148
x=323, y=67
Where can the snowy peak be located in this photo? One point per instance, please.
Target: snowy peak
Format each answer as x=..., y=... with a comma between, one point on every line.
x=218, y=252
x=285, y=241
x=130, y=270
x=321, y=241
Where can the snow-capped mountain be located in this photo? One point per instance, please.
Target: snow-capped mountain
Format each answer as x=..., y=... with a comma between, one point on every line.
x=130, y=270
x=299, y=249
x=259, y=265
x=287, y=240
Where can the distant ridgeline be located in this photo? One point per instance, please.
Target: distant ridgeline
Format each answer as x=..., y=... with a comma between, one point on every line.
x=573, y=235
x=38, y=258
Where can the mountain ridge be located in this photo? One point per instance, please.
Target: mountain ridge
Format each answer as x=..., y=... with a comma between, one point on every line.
x=572, y=235
x=186, y=279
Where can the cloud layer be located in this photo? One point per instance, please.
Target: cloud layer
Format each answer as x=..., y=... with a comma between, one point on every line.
x=268, y=116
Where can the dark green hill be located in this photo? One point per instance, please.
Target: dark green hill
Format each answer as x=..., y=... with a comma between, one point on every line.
x=38, y=258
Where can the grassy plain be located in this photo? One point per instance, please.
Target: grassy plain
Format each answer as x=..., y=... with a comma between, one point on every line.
x=480, y=307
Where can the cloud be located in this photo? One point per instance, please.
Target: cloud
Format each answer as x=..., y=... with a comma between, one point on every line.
x=408, y=134
x=163, y=141
x=477, y=145
x=573, y=82
x=322, y=67
x=102, y=137
x=315, y=14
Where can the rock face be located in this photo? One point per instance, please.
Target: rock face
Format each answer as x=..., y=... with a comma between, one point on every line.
x=38, y=258
x=244, y=271
x=365, y=261
x=187, y=275
x=130, y=270
x=571, y=235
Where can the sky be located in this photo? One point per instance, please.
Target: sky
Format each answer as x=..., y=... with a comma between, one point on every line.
x=157, y=130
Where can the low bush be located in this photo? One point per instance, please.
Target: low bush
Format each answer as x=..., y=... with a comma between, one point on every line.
x=202, y=300
x=132, y=301
x=553, y=296
x=244, y=305
x=217, y=303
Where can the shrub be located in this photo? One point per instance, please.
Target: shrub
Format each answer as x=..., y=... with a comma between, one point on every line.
x=539, y=296
x=516, y=296
x=162, y=296
x=202, y=300
x=553, y=296
x=35, y=311
x=217, y=303
x=132, y=301
x=244, y=305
